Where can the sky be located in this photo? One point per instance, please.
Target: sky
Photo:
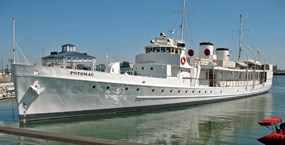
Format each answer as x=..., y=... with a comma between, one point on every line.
x=122, y=28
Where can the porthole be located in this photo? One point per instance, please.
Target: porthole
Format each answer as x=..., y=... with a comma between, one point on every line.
x=138, y=89
x=93, y=86
x=179, y=91
x=211, y=92
x=199, y=91
x=205, y=91
x=108, y=87
x=126, y=88
x=170, y=91
x=162, y=90
x=221, y=91
x=142, y=68
x=152, y=90
x=186, y=91
x=193, y=91
x=151, y=68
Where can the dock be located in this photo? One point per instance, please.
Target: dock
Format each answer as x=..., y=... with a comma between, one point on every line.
x=65, y=138
x=7, y=90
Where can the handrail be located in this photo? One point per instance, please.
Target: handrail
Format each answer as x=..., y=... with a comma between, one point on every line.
x=61, y=137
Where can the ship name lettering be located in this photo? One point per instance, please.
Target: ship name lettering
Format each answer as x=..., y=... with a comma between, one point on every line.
x=81, y=73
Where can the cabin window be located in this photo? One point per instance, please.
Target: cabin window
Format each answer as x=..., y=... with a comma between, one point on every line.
x=207, y=74
x=142, y=68
x=151, y=68
x=172, y=50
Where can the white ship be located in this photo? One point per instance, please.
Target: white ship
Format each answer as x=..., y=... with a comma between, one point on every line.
x=163, y=77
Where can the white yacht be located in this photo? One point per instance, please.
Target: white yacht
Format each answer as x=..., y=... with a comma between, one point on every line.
x=165, y=75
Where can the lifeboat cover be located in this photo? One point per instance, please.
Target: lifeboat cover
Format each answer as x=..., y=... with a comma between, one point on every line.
x=270, y=121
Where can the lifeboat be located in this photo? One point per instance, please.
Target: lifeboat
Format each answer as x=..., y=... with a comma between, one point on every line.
x=277, y=137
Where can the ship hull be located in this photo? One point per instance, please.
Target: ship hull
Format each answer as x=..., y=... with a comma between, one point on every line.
x=46, y=92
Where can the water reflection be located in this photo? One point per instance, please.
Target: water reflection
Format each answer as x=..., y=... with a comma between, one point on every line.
x=228, y=122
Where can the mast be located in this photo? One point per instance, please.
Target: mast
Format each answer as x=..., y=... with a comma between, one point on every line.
x=240, y=38
x=2, y=67
x=182, y=22
x=14, y=40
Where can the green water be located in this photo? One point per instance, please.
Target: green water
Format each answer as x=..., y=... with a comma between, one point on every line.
x=229, y=122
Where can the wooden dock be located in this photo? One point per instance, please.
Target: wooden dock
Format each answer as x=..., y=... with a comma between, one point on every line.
x=61, y=137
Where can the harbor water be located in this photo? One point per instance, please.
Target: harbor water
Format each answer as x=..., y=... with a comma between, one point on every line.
x=229, y=122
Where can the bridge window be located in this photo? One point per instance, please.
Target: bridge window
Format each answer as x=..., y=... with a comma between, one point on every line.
x=176, y=51
x=148, y=50
x=162, y=49
x=157, y=49
x=168, y=49
x=154, y=49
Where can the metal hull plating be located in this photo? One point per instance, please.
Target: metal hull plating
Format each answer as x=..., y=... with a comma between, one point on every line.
x=45, y=92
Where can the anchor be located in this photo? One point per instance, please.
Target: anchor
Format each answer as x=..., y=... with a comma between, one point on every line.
x=37, y=88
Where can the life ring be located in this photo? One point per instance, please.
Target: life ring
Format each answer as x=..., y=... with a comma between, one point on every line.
x=183, y=60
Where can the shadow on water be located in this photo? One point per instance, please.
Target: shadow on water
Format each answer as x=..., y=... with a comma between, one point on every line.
x=215, y=123
x=8, y=110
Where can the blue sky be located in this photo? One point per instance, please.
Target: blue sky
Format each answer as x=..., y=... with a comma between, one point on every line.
x=121, y=28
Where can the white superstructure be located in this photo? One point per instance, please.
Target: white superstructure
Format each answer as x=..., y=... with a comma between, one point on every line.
x=164, y=76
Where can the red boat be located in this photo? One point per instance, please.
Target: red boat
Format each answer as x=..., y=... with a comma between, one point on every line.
x=277, y=137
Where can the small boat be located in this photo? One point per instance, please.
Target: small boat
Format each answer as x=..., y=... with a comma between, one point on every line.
x=277, y=137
